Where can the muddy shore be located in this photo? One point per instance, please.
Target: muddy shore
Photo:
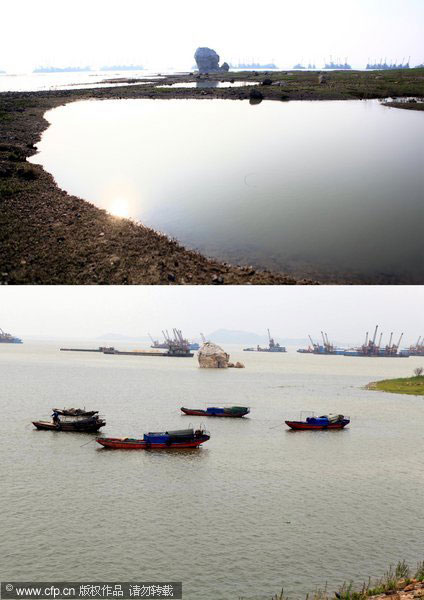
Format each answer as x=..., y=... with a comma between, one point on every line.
x=50, y=237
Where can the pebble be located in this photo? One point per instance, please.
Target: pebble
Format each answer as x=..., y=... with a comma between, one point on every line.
x=217, y=280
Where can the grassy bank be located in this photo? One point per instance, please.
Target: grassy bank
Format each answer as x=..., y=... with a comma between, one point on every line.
x=50, y=237
x=400, y=582
x=406, y=385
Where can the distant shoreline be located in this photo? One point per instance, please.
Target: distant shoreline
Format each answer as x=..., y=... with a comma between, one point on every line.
x=50, y=237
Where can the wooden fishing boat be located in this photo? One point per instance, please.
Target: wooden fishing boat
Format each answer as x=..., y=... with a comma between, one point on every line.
x=320, y=423
x=72, y=419
x=167, y=440
x=232, y=412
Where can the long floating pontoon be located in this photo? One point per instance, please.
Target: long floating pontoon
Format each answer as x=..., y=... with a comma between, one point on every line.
x=111, y=350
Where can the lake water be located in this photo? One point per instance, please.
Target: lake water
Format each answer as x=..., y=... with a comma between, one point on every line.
x=256, y=508
x=319, y=188
x=38, y=82
x=209, y=84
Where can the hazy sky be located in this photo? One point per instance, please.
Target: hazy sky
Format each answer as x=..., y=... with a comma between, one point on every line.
x=345, y=312
x=165, y=33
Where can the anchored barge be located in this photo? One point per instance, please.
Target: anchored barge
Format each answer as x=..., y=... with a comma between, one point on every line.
x=174, y=351
x=418, y=348
x=272, y=346
x=8, y=338
x=325, y=348
x=169, y=341
x=373, y=348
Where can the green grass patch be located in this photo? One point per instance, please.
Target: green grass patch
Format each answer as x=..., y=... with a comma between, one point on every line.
x=405, y=385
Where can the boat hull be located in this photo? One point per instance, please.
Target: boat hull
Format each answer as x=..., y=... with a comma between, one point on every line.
x=204, y=413
x=47, y=425
x=133, y=444
x=301, y=425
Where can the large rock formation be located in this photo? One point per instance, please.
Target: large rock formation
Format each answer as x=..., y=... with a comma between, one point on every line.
x=211, y=356
x=207, y=61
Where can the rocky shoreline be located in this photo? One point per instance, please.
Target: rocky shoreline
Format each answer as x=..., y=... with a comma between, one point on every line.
x=397, y=583
x=50, y=237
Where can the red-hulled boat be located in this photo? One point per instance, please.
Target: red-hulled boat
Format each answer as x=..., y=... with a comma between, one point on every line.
x=183, y=438
x=232, y=412
x=320, y=423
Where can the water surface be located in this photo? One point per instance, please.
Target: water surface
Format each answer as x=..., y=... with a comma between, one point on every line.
x=256, y=508
x=209, y=84
x=320, y=188
x=37, y=82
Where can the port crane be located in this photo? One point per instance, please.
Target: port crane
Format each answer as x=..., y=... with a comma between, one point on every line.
x=273, y=346
x=371, y=348
x=174, y=342
x=418, y=349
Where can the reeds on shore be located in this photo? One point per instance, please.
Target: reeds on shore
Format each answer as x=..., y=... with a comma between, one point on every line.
x=395, y=579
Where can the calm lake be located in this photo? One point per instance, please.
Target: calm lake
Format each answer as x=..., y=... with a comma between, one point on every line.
x=256, y=508
x=327, y=189
x=209, y=84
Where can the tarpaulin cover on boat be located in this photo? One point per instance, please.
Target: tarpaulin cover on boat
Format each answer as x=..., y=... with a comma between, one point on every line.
x=166, y=436
x=318, y=421
x=181, y=432
x=157, y=438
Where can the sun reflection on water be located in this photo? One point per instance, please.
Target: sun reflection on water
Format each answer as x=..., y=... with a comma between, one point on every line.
x=119, y=207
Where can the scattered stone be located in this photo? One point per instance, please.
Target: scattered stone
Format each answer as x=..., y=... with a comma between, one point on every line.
x=217, y=280
x=255, y=96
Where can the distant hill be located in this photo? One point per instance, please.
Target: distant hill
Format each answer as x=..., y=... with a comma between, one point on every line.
x=61, y=69
x=230, y=336
x=119, y=336
x=122, y=68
